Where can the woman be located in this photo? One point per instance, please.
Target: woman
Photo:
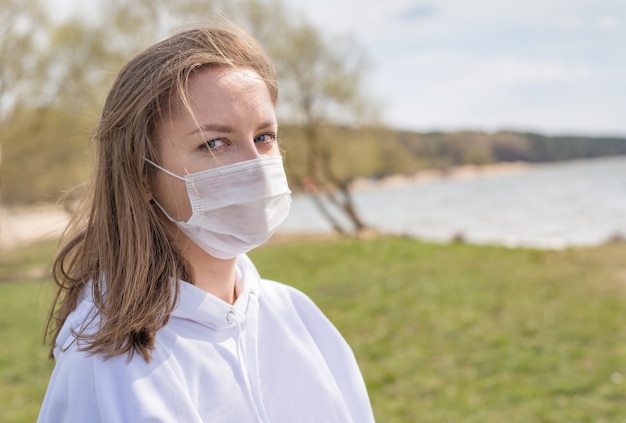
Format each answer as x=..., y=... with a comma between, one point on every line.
x=160, y=315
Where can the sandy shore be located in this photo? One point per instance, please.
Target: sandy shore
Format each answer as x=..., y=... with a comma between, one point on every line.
x=23, y=225
x=427, y=176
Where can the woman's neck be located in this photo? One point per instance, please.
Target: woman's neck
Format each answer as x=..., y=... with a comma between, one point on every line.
x=211, y=274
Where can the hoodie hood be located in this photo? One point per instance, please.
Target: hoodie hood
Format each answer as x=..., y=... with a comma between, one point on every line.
x=193, y=304
x=208, y=310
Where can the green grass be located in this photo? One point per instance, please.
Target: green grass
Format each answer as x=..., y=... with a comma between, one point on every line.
x=24, y=301
x=442, y=333
x=472, y=334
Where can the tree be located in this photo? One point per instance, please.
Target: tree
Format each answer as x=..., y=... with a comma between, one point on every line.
x=321, y=83
x=84, y=53
x=67, y=66
x=21, y=25
x=20, y=21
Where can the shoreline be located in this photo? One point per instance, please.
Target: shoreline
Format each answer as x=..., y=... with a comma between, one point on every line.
x=429, y=176
x=22, y=225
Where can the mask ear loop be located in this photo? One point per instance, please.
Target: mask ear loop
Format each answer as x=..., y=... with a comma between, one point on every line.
x=154, y=199
x=164, y=169
x=164, y=212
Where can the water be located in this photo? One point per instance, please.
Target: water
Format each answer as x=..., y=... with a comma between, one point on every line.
x=580, y=203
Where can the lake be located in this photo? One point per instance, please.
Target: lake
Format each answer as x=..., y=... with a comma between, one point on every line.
x=578, y=203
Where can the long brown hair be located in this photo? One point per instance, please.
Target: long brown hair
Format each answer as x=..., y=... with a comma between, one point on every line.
x=117, y=245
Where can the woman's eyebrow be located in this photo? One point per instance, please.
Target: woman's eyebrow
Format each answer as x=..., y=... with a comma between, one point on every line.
x=216, y=127
x=267, y=124
x=212, y=127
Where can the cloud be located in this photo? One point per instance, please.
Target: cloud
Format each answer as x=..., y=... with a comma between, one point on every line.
x=603, y=22
x=512, y=71
x=552, y=65
x=417, y=11
x=568, y=21
x=607, y=22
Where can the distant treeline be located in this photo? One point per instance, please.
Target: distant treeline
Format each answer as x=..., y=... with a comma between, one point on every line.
x=505, y=146
x=379, y=152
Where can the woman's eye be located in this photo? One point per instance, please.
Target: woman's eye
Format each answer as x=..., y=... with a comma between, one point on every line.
x=214, y=144
x=265, y=138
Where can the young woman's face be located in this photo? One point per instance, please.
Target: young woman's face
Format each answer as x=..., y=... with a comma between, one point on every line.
x=234, y=120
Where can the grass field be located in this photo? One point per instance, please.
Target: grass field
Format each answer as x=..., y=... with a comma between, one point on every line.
x=451, y=333
x=24, y=301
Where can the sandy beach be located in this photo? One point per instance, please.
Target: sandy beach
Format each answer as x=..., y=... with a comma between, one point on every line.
x=23, y=225
x=426, y=176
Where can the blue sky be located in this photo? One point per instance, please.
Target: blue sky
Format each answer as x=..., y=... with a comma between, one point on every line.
x=551, y=66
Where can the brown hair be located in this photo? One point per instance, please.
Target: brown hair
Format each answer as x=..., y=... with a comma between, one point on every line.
x=117, y=245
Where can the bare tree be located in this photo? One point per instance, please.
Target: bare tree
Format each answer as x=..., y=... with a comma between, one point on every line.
x=21, y=22
x=321, y=86
x=84, y=53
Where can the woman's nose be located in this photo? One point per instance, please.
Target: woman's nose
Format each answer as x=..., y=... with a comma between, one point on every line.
x=249, y=151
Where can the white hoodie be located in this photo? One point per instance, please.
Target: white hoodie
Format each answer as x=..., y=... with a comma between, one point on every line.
x=271, y=357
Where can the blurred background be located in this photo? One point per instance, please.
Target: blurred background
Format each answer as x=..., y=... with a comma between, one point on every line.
x=473, y=155
x=421, y=118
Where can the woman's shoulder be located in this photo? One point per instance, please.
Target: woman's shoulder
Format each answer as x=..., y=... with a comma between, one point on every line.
x=82, y=321
x=287, y=303
x=280, y=292
x=83, y=386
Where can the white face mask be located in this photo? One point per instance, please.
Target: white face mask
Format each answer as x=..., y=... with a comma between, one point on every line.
x=235, y=208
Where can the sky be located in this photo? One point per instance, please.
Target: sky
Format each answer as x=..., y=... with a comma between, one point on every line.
x=556, y=67
x=551, y=66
